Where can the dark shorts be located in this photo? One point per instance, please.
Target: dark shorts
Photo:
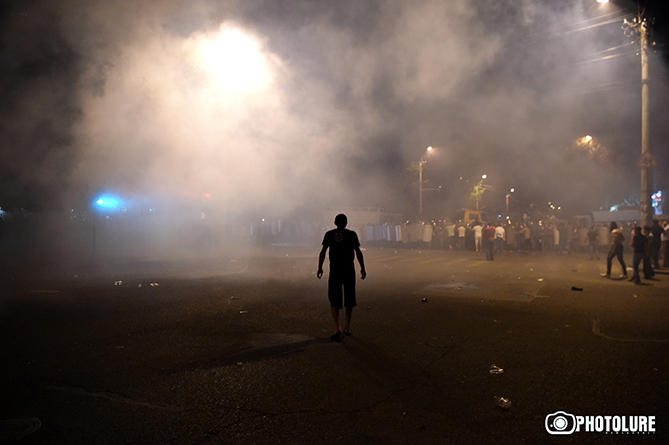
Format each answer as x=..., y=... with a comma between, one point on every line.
x=338, y=280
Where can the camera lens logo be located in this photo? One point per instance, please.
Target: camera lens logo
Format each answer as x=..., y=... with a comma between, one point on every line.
x=560, y=423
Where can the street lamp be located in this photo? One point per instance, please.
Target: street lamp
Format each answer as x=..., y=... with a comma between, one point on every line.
x=508, y=199
x=421, y=162
x=484, y=176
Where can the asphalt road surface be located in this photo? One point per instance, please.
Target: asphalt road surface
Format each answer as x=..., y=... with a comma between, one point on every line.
x=236, y=349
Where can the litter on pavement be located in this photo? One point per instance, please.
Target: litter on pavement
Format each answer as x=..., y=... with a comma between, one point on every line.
x=502, y=402
x=496, y=370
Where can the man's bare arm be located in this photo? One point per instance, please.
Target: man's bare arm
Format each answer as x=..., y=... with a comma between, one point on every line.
x=361, y=260
x=321, y=259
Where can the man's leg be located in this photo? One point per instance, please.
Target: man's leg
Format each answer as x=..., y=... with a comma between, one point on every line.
x=609, y=259
x=619, y=254
x=635, y=265
x=347, y=324
x=656, y=255
x=335, y=318
x=335, y=297
x=647, y=268
x=349, y=299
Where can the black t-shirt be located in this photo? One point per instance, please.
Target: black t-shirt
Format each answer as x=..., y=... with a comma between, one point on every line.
x=639, y=243
x=341, y=243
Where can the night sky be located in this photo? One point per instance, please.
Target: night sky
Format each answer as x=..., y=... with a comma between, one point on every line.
x=345, y=97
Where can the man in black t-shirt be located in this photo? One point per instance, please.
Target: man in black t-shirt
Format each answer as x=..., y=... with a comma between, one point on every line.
x=344, y=247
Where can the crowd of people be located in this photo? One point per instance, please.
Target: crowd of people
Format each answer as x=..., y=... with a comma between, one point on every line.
x=560, y=237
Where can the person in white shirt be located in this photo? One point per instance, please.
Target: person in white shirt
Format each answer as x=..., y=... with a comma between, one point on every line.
x=556, y=238
x=461, y=236
x=478, y=235
x=500, y=237
x=450, y=233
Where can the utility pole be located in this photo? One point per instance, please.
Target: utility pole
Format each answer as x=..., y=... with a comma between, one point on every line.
x=646, y=162
x=422, y=162
x=420, y=186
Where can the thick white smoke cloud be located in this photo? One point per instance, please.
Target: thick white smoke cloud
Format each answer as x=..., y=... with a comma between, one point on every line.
x=349, y=96
x=154, y=120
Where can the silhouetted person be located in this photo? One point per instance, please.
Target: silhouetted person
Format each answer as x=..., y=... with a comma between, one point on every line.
x=592, y=242
x=640, y=246
x=665, y=244
x=489, y=242
x=343, y=245
x=648, y=271
x=616, y=250
x=654, y=243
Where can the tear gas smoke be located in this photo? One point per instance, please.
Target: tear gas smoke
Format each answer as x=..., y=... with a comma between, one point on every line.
x=274, y=106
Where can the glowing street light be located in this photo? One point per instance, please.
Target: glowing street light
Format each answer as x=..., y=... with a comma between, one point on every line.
x=601, y=2
x=484, y=176
x=587, y=138
x=234, y=59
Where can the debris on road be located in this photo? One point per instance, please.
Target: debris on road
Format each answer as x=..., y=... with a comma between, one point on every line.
x=423, y=300
x=579, y=289
x=635, y=296
x=502, y=402
x=118, y=283
x=540, y=279
x=495, y=370
x=243, y=312
x=154, y=284
x=232, y=297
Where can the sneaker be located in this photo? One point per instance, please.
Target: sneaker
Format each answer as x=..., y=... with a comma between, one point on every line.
x=336, y=337
x=605, y=275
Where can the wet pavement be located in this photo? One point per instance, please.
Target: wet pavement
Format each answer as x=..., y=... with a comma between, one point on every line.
x=237, y=350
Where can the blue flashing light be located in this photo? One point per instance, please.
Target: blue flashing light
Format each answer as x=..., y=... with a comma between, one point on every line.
x=657, y=198
x=108, y=203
